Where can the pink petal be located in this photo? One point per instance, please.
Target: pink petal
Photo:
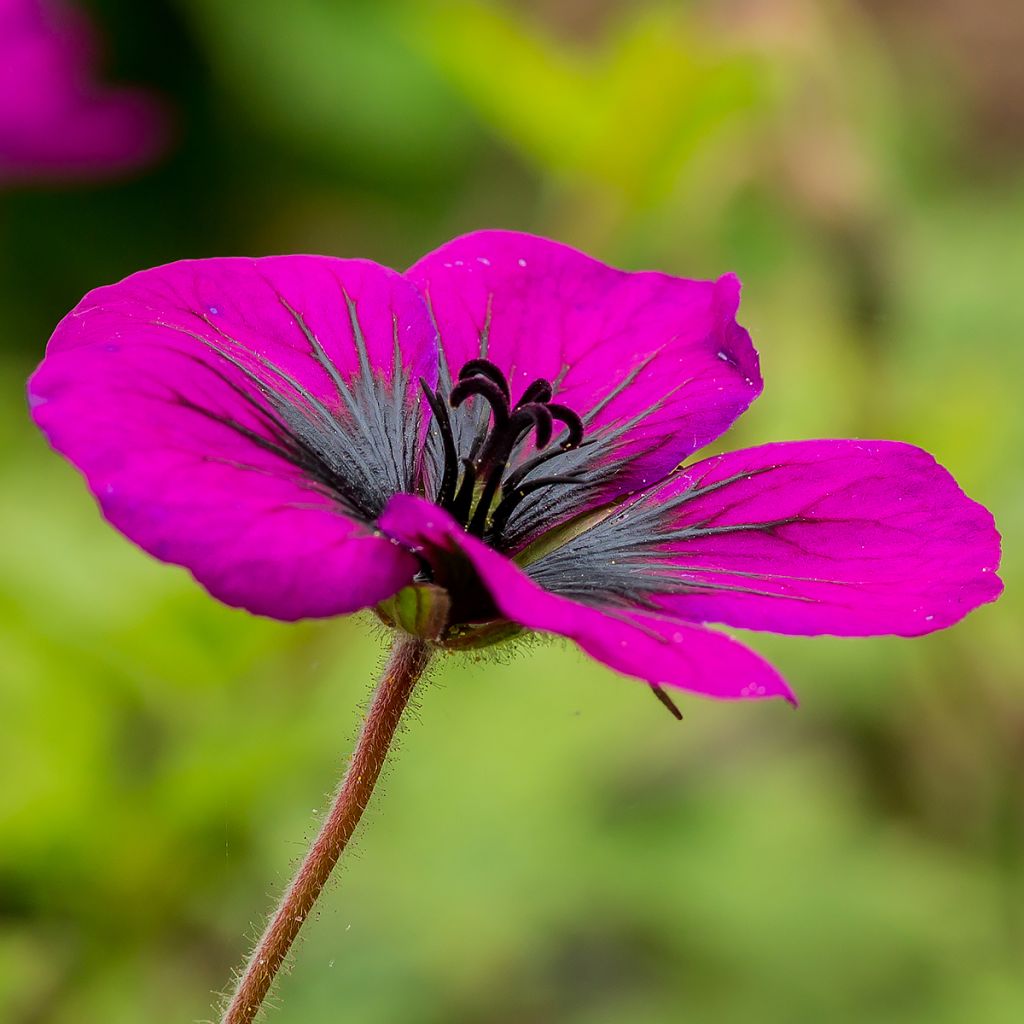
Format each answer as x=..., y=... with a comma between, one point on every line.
x=55, y=121
x=650, y=648
x=685, y=368
x=142, y=379
x=852, y=538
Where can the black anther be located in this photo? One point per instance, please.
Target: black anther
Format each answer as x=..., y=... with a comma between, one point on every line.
x=565, y=415
x=490, y=393
x=537, y=416
x=485, y=368
x=497, y=439
x=539, y=391
x=467, y=387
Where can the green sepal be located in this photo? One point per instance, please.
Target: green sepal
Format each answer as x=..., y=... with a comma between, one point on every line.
x=421, y=610
x=469, y=636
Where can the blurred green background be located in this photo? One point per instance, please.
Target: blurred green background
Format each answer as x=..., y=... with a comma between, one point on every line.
x=549, y=846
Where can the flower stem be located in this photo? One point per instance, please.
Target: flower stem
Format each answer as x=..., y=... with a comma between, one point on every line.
x=405, y=665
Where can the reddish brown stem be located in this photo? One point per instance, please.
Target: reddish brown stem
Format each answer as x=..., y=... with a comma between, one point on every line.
x=408, y=659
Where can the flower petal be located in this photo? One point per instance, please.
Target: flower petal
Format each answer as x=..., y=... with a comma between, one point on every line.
x=54, y=120
x=182, y=392
x=851, y=538
x=648, y=647
x=659, y=356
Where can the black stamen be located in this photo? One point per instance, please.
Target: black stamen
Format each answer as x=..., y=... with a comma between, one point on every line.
x=485, y=368
x=502, y=444
x=479, y=521
x=447, y=489
x=538, y=417
x=565, y=415
x=491, y=392
x=538, y=391
x=667, y=701
x=496, y=441
x=464, y=499
x=486, y=388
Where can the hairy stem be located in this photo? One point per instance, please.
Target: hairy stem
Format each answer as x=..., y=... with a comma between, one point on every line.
x=407, y=661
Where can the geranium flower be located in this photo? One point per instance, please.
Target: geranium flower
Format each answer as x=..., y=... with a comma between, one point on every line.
x=489, y=443
x=55, y=120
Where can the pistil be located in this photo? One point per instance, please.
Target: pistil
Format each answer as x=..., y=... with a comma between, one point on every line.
x=469, y=485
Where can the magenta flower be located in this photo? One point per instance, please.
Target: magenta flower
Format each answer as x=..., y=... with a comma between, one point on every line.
x=55, y=120
x=486, y=444
x=489, y=443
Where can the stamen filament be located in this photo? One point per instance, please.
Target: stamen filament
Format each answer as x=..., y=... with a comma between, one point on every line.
x=444, y=424
x=464, y=499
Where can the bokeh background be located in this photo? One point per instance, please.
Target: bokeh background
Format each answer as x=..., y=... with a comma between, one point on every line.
x=550, y=846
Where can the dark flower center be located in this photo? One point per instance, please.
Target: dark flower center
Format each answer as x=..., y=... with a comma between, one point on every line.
x=482, y=489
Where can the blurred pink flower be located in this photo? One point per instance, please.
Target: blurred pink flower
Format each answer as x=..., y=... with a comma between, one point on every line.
x=493, y=442
x=56, y=120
